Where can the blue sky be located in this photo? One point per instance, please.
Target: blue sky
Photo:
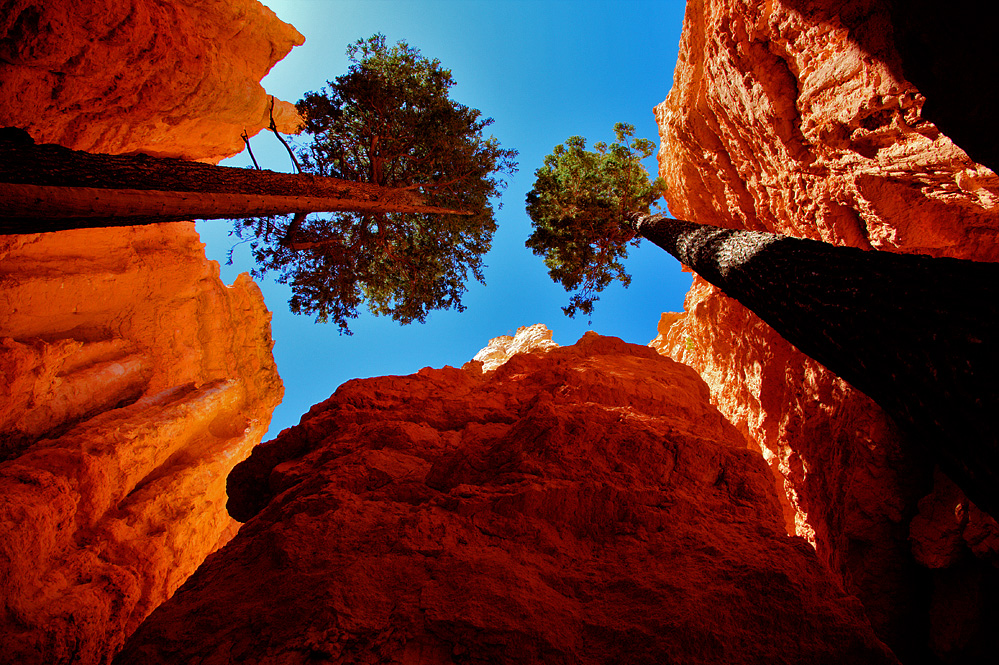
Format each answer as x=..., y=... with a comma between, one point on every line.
x=544, y=70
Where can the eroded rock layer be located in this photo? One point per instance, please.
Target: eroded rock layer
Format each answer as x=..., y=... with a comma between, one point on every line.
x=583, y=504
x=133, y=380
x=794, y=118
x=169, y=79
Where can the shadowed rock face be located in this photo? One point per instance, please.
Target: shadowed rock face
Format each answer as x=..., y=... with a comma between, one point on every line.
x=795, y=117
x=838, y=304
x=581, y=504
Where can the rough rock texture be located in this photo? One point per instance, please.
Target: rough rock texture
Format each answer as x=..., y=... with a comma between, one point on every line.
x=849, y=485
x=132, y=381
x=582, y=504
x=778, y=120
x=792, y=117
x=176, y=78
x=500, y=349
x=131, y=378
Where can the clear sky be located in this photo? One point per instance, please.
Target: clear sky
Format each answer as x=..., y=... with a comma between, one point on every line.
x=544, y=70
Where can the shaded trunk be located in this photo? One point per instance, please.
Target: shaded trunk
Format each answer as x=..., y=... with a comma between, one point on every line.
x=34, y=209
x=917, y=334
x=51, y=188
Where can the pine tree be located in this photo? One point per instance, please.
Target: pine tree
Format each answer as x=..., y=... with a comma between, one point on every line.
x=389, y=121
x=581, y=208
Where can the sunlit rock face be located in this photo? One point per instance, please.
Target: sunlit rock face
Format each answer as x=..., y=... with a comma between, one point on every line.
x=583, y=504
x=133, y=381
x=797, y=121
x=131, y=378
x=171, y=79
x=793, y=117
x=500, y=349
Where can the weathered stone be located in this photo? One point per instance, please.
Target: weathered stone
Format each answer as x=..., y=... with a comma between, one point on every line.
x=794, y=118
x=169, y=79
x=133, y=381
x=782, y=119
x=581, y=504
x=500, y=349
x=131, y=378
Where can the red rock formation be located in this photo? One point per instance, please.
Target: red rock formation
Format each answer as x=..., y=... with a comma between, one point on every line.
x=131, y=378
x=780, y=120
x=792, y=117
x=169, y=79
x=579, y=504
x=134, y=380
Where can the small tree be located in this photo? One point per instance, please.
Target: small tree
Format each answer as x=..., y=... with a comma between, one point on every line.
x=389, y=121
x=581, y=209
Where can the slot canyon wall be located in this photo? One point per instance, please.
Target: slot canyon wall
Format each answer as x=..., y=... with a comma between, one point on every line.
x=132, y=379
x=795, y=118
x=542, y=504
x=169, y=79
x=592, y=503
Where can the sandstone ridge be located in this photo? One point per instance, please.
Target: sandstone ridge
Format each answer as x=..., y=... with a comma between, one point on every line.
x=575, y=504
x=169, y=79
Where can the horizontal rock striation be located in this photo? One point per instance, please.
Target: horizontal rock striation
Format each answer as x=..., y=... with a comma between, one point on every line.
x=169, y=79
x=794, y=118
x=581, y=504
x=134, y=380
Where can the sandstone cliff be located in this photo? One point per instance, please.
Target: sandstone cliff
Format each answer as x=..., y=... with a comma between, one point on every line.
x=170, y=79
x=579, y=504
x=131, y=378
x=793, y=117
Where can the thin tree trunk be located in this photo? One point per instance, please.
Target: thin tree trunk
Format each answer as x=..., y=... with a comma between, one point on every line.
x=917, y=334
x=51, y=188
x=34, y=209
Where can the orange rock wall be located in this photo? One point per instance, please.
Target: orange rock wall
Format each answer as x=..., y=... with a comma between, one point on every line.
x=583, y=504
x=169, y=79
x=792, y=117
x=131, y=378
x=796, y=121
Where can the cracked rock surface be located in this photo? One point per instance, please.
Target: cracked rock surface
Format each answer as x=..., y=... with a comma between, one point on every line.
x=582, y=504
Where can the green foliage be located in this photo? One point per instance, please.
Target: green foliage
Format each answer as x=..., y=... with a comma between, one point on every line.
x=390, y=121
x=580, y=209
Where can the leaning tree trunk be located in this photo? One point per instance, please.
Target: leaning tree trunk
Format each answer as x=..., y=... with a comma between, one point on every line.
x=919, y=335
x=51, y=188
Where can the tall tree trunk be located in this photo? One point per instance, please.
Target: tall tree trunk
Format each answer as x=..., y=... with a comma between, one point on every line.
x=51, y=188
x=919, y=335
x=34, y=209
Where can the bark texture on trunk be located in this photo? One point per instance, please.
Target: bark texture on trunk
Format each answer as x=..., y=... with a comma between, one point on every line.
x=917, y=334
x=52, y=188
x=35, y=209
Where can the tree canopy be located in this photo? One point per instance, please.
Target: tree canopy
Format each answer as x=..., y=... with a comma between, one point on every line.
x=581, y=207
x=389, y=121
